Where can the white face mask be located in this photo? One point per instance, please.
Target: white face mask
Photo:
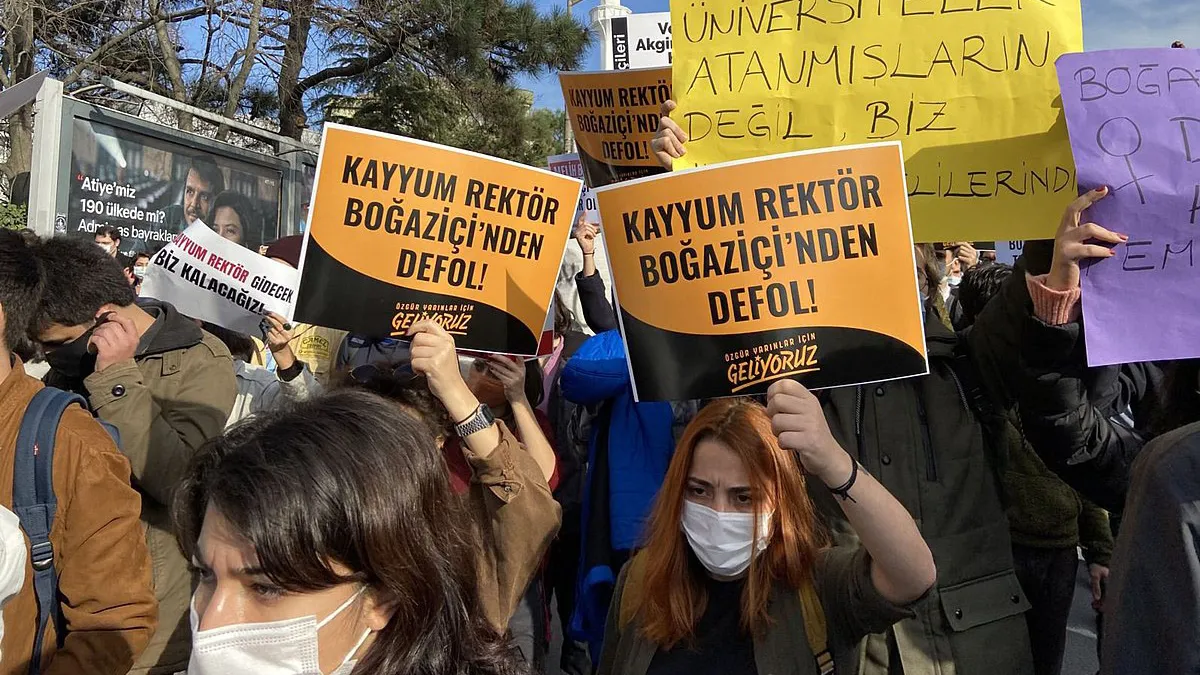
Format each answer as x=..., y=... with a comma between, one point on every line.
x=139, y=271
x=287, y=647
x=724, y=542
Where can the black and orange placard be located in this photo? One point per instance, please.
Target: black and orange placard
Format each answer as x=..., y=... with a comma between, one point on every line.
x=615, y=115
x=402, y=230
x=794, y=266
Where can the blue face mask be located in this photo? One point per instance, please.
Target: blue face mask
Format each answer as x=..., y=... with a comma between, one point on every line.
x=924, y=302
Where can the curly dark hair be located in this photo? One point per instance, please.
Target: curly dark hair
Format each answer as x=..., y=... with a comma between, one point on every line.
x=979, y=285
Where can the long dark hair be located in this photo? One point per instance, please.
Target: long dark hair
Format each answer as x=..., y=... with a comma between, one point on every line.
x=347, y=478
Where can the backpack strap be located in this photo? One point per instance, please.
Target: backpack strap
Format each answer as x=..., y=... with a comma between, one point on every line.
x=815, y=628
x=35, y=504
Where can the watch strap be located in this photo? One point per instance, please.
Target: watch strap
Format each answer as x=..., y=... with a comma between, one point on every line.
x=480, y=420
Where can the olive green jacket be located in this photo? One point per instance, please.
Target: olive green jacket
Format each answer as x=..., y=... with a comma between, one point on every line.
x=922, y=440
x=173, y=396
x=852, y=608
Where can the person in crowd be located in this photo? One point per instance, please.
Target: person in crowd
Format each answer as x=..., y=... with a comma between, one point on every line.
x=1156, y=565
x=235, y=218
x=105, y=598
x=14, y=555
x=588, y=261
x=513, y=513
x=327, y=540
x=135, y=270
x=1088, y=448
x=936, y=443
x=512, y=390
x=570, y=424
x=165, y=384
x=957, y=258
x=1047, y=519
x=109, y=239
x=29, y=236
x=735, y=567
x=629, y=448
x=258, y=388
x=316, y=346
x=204, y=181
x=360, y=350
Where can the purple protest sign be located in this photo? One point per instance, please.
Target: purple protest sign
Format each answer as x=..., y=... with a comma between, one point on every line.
x=1134, y=120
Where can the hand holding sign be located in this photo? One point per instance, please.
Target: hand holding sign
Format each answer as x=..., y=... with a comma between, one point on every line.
x=434, y=357
x=1071, y=247
x=799, y=422
x=668, y=143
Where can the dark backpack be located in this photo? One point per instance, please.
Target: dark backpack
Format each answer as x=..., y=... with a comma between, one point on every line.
x=34, y=502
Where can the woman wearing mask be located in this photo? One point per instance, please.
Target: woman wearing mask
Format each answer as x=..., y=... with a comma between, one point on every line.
x=327, y=541
x=735, y=567
x=512, y=389
x=937, y=443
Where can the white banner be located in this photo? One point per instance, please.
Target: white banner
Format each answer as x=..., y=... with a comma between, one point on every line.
x=210, y=278
x=1007, y=252
x=641, y=41
x=569, y=165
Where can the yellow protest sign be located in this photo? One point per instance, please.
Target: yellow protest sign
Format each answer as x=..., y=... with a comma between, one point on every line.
x=403, y=231
x=967, y=86
x=793, y=266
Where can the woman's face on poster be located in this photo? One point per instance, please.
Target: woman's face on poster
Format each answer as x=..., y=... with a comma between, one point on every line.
x=228, y=224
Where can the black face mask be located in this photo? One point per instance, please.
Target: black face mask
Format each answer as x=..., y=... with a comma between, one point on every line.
x=72, y=359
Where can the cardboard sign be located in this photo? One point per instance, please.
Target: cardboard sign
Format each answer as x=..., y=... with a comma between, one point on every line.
x=569, y=165
x=641, y=41
x=796, y=266
x=968, y=86
x=210, y=278
x=401, y=231
x=615, y=115
x=1134, y=117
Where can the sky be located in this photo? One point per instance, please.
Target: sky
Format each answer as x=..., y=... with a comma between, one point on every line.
x=1107, y=24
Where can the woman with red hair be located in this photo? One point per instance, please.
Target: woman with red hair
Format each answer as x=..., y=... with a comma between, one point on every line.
x=736, y=577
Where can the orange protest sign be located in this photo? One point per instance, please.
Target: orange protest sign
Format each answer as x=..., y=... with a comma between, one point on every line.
x=615, y=115
x=402, y=231
x=733, y=276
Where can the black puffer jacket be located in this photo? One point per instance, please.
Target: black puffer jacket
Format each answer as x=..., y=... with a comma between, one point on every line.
x=1074, y=417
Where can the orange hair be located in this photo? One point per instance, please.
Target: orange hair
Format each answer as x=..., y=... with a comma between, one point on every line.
x=674, y=598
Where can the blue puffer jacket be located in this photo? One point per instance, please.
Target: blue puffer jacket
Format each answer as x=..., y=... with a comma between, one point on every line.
x=638, y=443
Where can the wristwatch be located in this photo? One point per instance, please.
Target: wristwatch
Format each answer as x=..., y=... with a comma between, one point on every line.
x=480, y=420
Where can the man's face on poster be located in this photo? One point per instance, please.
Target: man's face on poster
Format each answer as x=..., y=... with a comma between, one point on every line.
x=197, y=197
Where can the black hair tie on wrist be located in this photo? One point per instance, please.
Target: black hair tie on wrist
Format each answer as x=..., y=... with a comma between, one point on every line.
x=843, y=491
